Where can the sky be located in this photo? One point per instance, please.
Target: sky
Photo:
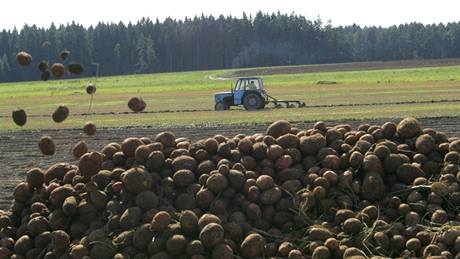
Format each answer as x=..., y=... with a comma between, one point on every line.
x=16, y=13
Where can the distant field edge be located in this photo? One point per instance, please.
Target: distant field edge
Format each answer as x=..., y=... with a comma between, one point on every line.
x=338, y=67
x=448, y=122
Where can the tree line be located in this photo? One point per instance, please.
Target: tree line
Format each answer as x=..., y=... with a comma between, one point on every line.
x=208, y=42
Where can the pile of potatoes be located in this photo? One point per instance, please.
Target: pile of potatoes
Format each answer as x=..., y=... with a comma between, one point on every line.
x=386, y=190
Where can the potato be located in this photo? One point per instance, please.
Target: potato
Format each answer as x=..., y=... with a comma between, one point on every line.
x=310, y=145
x=211, y=235
x=408, y=128
x=321, y=252
x=136, y=104
x=22, y=192
x=58, y=195
x=46, y=146
x=278, y=128
x=19, y=117
x=161, y=221
x=222, y=251
x=184, y=162
x=176, y=244
x=147, y=200
x=142, y=237
x=407, y=173
x=60, y=241
x=373, y=187
x=89, y=129
x=194, y=247
x=217, y=183
x=80, y=149
x=60, y=114
x=23, y=244
x=352, y=226
x=425, y=144
x=137, y=180
x=252, y=246
x=90, y=164
x=183, y=178
x=130, y=218
x=271, y=196
x=23, y=58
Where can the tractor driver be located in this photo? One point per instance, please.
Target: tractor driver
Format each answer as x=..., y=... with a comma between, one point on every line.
x=251, y=86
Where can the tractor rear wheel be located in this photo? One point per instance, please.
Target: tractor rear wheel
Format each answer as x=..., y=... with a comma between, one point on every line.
x=221, y=106
x=253, y=101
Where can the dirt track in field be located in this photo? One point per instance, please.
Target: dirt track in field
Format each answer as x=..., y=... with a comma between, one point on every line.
x=353, y=66
x=19, y=151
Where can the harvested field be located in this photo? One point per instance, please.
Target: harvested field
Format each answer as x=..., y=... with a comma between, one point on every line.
x=371, y=65
x=19, y=151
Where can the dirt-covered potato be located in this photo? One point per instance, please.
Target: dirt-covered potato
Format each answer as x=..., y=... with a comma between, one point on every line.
x=89, y=129
x=19, y=117
x=58, y=70
x=80, y=149
x=408, y=128
x=60, y=114
x=278, y=128
x=46, y=146
x=90, y=164
x=252, y=246
x=136, y=104
x=23, y=58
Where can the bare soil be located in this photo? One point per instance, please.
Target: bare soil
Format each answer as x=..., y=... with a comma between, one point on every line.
x=352, y=66
x=19, y=150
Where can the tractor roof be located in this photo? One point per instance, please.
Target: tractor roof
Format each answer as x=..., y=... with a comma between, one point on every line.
x=249, y=78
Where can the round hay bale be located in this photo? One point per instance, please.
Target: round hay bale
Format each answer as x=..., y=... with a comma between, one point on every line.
x=136, y=104
x=91, y=89
x=46, y=146
x=58, y=70
x=19, y=117
x=75, y=68
x=23, y=58
x=89, y=129
x=278, y=128
x=60, y=114
x=252, y=246
x=64, y=54
x=80, y=149
x=408, y=128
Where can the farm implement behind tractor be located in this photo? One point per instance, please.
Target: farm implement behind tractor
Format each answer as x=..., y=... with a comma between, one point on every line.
x=250, y=92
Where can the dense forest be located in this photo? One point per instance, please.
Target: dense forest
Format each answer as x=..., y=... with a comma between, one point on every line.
x=208, y=42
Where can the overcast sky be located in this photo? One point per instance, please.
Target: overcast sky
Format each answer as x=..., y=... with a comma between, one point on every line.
x=340, y=12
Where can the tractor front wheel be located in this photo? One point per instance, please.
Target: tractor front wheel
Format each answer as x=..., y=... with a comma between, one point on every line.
x=221, y=106
x=253, y=102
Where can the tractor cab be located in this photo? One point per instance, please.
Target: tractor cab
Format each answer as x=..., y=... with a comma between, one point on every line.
x=248, y=91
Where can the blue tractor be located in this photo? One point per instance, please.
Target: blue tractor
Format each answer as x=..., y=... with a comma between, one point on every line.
x=250, y=92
